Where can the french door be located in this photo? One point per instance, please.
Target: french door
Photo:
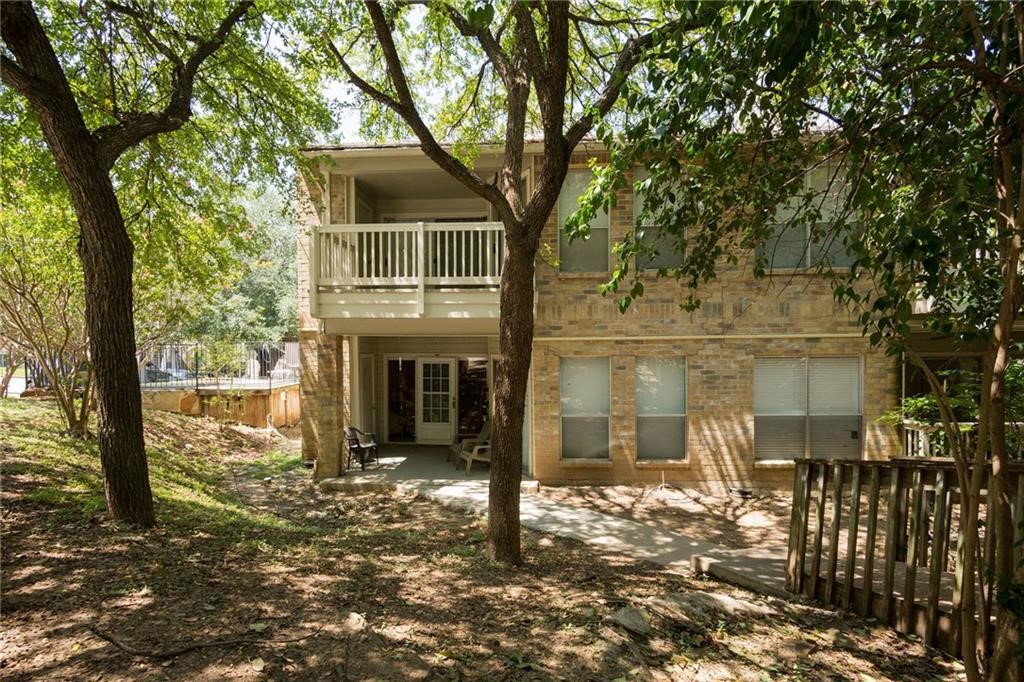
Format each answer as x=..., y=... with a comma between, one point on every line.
x=435, y=400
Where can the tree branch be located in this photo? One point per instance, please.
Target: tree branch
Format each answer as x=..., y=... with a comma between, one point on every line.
x=526, y=33
x=487, y=41
x=35, y=72
x=631, y=54
x=404, y=105
x=113, y=140
x=16, y=77
x=354, y=78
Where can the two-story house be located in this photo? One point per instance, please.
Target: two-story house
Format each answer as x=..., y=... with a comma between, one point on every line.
x=399, y=270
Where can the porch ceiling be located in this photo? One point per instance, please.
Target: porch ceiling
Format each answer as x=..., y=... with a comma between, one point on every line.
x=430, y=327
x=417, y=184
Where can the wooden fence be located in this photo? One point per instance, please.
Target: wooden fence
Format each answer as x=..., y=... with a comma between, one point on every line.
x=882, y=538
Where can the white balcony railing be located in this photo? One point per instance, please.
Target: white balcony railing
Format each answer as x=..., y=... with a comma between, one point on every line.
x=930, y=440
x=403, y=255
x=409, y=257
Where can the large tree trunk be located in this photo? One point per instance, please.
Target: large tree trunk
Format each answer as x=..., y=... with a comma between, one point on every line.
x=515, y=343
x=85, y=160
x=107, y=255
x=107, y=260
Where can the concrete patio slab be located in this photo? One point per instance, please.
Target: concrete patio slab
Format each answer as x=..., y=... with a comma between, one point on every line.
x=402, y=466
x=762, y=570
x=423, y=471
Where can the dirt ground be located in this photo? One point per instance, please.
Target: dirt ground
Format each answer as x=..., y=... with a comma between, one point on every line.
x=255, y=574
x=756, y=521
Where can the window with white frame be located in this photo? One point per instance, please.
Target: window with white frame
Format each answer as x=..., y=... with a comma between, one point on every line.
x=585, y=408
x=807, y=407
x=660, y=408
x=581, y=255
x=797, y=245
x=663, y=250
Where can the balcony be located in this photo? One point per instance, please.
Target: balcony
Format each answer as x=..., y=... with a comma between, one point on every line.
x=442, y=271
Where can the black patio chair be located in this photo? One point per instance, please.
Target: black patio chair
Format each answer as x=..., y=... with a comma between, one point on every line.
x=362, y=447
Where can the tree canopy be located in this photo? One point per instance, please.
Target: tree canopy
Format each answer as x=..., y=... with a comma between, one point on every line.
x=883, y=143
x=456, y=74
x=153, y=117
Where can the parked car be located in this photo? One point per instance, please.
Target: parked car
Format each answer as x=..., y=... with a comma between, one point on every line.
x=151, y=375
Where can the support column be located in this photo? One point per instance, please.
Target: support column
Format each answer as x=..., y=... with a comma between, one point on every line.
x=356, y=409
x=328, y=404
x=309, y=378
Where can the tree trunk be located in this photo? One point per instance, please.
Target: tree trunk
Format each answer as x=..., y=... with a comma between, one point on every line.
x=107, y=261
x=107, y=255
x=9, y=371
x=1004, y=664
x=85, y=160
x=515, y=343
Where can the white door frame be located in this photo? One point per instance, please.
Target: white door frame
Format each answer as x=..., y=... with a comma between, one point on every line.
x=437, y=434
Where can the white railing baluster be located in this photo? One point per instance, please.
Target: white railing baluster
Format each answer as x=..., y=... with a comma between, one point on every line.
x=407, y=255
x=420, y=271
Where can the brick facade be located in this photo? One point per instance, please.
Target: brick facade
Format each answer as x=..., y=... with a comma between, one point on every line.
x=720, y=408
x=741, y=318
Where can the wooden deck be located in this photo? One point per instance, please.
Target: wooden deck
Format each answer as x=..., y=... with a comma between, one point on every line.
x=884, y=541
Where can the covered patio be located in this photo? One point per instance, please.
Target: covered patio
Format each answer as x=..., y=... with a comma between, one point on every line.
x=407, y=464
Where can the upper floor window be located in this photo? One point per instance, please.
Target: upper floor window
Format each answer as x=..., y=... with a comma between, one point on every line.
x=807, y=407
x=796, y=245
x=662, y=252
x=581, y=255
x=660, y=408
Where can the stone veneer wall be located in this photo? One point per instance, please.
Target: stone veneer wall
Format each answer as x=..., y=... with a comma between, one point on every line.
x=791, y=314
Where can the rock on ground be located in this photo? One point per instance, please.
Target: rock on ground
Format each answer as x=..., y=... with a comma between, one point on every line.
x=703, y=605
x=631, y=619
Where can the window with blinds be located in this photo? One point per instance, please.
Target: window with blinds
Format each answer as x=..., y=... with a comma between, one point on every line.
x=802, y=245
x=585, y=408
x=581, y=255
x=664, y=250
x=807, y=407
x=660, y=408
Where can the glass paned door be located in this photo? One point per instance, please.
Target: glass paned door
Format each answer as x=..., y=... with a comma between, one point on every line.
x=435, y=414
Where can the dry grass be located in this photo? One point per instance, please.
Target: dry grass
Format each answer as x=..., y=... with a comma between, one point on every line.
x=381, y=586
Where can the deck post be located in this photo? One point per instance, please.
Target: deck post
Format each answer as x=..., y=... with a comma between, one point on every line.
x=819, y=529
x=938, y=561
x=868, y=584
x=958, y=574
x=891, y=543
x=421, y=271
x=906, y=620
x=833, y=532
x=798, y=528
x=851, y=538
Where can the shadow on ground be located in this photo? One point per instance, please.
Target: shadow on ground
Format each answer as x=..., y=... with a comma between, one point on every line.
x=347, y=585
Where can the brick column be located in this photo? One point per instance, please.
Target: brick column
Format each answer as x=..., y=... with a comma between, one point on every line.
x=308, y=407
x=324, y=385
x=329, y=391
